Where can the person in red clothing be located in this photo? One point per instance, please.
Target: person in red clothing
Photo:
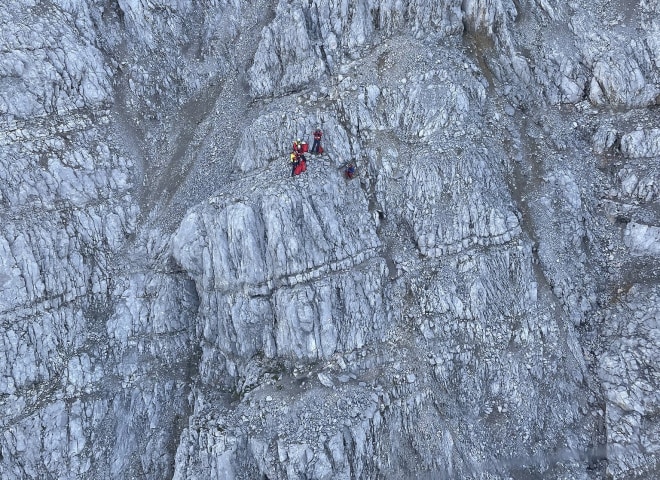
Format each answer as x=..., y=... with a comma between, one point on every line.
x=298, y=163
x=302, y=165
x=316, y=146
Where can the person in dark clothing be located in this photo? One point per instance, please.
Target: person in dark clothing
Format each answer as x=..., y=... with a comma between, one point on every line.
x=316, y=146
x=294, y=162
x=350, y=171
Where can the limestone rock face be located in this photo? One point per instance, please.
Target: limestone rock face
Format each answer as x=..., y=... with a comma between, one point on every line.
x=308, y=39
x=479, y=301
x=641, y=143
x=281, y=271
x=631, y=395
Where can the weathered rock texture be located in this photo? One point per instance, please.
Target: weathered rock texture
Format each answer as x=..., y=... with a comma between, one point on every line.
x=481, y=301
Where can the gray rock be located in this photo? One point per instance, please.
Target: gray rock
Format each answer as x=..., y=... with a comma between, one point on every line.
x=642, y=239
x=480, y=300
x=605, y=139
x=641, y=143
x=629, y=374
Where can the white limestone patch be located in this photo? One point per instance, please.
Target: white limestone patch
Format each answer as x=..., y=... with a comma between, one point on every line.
x=48, y=67
x=641, y=143
x=452, y=207
x=628, y=369
x=642, y=239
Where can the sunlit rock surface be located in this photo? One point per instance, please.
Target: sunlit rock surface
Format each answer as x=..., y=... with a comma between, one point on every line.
x=479, y=302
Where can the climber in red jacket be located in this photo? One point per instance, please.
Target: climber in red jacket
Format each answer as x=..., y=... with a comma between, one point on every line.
x=316, y=146
x=298, y=163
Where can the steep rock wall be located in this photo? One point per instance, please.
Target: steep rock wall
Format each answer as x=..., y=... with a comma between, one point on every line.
x=477, y=303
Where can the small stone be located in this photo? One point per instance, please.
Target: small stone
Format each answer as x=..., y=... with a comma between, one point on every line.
x=325, y=380
x=411, y=378
x=341, y=363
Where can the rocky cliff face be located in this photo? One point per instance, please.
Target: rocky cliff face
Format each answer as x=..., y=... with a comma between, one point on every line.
x=481, y=301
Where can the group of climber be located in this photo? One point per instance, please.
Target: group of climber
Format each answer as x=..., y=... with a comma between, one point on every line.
x=299, y=161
